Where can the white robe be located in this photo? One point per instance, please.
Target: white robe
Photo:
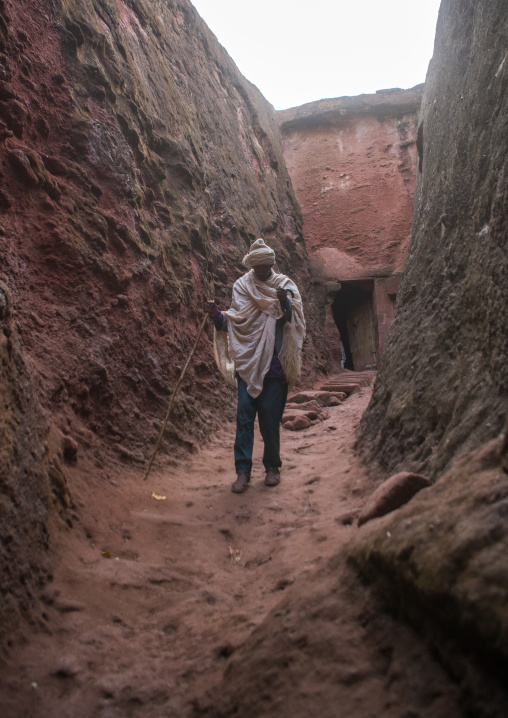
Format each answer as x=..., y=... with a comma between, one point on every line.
x=247, y=347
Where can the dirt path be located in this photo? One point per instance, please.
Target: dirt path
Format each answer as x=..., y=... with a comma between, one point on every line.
x=152, y=597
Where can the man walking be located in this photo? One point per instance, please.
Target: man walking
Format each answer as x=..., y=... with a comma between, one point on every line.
x=258, y=344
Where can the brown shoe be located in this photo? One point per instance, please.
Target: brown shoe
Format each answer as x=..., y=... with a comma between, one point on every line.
x=241, y=483
x=272, y=477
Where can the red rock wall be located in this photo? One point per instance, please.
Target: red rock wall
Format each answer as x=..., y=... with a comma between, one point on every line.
x=24, y=479
x=136, y=167
x=352, y=162
x=354, y=183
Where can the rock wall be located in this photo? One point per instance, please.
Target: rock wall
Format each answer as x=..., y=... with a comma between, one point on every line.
x=137, y=165
x=24, y=481
x=439, y=562
x=443, y=384
x=352, y=161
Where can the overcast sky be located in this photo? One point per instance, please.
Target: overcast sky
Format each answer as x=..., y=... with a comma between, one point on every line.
x=298, y=51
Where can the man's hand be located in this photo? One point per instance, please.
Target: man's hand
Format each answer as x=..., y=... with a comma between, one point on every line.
x=210, y=308
x=282, y=296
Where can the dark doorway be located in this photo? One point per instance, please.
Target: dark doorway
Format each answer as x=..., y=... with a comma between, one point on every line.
x=353, y=313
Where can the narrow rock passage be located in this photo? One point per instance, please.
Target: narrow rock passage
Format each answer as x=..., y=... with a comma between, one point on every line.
x=153, y=598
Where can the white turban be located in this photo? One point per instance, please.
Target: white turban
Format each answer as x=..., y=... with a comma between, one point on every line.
x=259, y=253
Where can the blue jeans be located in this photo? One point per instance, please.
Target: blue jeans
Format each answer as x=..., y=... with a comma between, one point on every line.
x=269, y=406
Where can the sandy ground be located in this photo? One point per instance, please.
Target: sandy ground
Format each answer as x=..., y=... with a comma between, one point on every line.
x=152, y=597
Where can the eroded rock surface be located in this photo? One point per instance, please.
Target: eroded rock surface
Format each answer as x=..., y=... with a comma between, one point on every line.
x=137, y=164
x=442, y=388
x=352, y=162
x=24, y=480
x=443, y=384
x=441, y=562
x=392, y=494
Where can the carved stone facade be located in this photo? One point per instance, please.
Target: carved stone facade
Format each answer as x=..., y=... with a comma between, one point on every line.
x=352, y=161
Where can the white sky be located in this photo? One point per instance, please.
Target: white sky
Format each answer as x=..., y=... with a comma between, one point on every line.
x=298, y=51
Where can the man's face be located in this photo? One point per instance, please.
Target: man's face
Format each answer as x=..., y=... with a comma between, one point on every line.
x=262, y=271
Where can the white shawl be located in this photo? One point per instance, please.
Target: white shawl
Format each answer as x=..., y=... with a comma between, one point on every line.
x=247, y=347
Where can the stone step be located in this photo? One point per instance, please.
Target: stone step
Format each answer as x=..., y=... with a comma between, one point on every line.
x=291, y=414
x=343, y=387
x=324, y=398
x=358, y=380
x=364, y=378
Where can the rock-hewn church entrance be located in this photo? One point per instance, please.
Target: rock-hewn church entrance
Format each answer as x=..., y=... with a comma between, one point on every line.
x=353, y=314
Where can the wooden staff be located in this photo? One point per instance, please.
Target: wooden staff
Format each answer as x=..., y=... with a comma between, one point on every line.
x=173, y=397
